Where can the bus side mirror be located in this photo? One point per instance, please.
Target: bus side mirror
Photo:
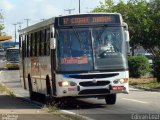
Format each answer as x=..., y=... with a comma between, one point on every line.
x=52, y=39
x=126, y=35
x=52, y=43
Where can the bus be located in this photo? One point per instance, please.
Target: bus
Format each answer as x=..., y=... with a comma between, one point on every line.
x=65, y=57
x=12, y=58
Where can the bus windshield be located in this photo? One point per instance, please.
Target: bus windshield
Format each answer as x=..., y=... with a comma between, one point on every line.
x=12, y=55
x=87, y=49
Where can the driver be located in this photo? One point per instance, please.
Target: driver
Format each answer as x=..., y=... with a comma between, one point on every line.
x=107, y=44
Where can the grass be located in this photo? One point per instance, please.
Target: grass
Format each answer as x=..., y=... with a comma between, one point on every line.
x=55, y=110
x=147, y=83
x=5, y=90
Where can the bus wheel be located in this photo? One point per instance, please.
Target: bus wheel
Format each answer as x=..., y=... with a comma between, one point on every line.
x=31, y=93
x=49, y=93
x=110, y=99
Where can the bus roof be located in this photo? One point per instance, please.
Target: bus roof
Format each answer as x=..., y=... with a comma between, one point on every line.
x=38, y=25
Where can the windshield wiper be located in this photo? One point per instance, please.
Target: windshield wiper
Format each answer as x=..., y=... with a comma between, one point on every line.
x=78, y=36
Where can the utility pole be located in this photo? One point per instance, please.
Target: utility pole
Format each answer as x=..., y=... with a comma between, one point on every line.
x=19, y=23
x=69, y=10
x=79, y=6
x=27, y=21
x=15, y=33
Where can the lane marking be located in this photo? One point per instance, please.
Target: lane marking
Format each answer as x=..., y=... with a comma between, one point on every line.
x=136, y=100
x=69, y=112
x=81, y=116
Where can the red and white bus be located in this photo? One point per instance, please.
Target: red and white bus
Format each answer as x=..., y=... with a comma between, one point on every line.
x=83, y=55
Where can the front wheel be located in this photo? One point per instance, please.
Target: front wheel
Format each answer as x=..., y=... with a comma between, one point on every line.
x=110, y=99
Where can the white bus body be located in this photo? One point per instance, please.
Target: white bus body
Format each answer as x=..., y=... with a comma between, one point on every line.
x=65, y=57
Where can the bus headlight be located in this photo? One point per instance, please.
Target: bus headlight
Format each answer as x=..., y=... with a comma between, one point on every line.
x=122, y=80
x=66, y=83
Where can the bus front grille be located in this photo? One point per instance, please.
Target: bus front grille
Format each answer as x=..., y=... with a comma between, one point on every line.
x=94, y=91
x=90, y=83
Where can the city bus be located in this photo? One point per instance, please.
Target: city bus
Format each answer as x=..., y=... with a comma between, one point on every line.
x=65, y=57
x=12, y=58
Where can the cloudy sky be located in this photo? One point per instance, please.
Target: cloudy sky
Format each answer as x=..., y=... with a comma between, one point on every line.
x=17, y=10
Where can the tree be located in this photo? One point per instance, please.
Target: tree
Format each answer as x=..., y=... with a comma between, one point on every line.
x=143, y=19
x=1, y=24
x=152, y=31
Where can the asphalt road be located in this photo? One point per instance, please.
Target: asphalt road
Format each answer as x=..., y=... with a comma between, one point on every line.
x=128, y=106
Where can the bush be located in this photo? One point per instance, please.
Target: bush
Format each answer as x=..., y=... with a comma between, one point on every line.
x=156, y=65
x=138, y=66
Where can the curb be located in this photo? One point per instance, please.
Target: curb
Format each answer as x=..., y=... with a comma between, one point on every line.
x=133, y=88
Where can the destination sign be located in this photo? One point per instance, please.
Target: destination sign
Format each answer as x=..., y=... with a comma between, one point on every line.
x=90, y=19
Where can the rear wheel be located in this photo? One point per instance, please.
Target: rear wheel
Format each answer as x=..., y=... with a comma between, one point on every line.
x=110, y=99
x=31, y=93
x=48, y=90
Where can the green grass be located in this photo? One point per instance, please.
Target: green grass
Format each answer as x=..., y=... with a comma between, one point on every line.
x=5, y=90
x=148, y=83
x=154, y=85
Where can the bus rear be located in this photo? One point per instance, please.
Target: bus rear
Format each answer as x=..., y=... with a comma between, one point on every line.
x=91, y=56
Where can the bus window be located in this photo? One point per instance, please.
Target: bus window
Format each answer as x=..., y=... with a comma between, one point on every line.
x=40, y=43
x=48, y=42
x=45, y=45
x=35, y=43
x=27, y=46
x=31, y=45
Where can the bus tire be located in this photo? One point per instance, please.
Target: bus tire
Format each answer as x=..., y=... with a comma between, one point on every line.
x=48, y=97
x=31, y=93
x=110, y=99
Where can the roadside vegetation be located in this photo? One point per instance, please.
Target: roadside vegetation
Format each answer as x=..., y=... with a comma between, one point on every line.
x=53, y=109
x=142, y=73
x=5, y=90
x=145, y=83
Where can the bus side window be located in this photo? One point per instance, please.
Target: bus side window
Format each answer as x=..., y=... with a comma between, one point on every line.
x=40, y=42
x=35, y=44
x=48, y=42
x=45, y=45
x=27, y=52
x=29, y=45
x=20, y=41
x=32, y=46
x=25, y=46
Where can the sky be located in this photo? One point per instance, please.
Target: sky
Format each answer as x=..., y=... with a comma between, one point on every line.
x=15, y=11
